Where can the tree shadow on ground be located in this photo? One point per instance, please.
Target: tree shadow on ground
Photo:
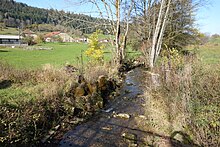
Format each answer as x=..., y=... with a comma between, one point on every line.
x=5, y=84
x=185, y=138
x=4, y=51
x=96, y=133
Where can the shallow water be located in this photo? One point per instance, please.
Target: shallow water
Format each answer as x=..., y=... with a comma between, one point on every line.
x=110, y=127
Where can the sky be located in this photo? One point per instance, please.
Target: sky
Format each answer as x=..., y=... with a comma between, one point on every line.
x=208, y=16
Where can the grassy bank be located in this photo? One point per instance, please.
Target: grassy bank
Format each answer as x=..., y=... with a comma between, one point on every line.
x=185, y=105
x=35, y=102
x=210, y=53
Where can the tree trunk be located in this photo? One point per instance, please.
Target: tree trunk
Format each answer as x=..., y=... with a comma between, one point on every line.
x=155, y=36
x=159, y=44
x=117, y=35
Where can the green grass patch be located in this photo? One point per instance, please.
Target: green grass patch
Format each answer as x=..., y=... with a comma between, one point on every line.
x=14, y=96
x=60, y=54
x=215, y=41
x=210, y=54
x=9, y=31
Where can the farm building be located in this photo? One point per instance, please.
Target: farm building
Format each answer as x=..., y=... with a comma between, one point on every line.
x=30, y=33
x=58, y=37
x=8, y=40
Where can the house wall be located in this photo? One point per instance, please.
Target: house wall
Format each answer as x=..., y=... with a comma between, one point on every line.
x=9, y=41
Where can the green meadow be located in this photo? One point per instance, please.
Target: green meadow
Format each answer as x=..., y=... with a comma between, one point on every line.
x=59, y=55
x=210, y=52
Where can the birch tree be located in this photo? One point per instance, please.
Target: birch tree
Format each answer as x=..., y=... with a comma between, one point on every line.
x=159, y=31
x=160, y=22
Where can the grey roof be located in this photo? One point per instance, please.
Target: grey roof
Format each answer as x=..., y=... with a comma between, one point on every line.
x=9, y=37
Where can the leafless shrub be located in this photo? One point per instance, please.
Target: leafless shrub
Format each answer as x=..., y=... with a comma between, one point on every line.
x=93, y=72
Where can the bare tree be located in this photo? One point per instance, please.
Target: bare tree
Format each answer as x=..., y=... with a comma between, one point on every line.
x=117, y=13
x=114, y=11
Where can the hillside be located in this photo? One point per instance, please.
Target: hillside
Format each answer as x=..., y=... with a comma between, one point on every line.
x=15, y=14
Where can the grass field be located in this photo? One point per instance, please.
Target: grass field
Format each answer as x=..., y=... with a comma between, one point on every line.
x=60, y=54
x=210, y=52
x=9, y=31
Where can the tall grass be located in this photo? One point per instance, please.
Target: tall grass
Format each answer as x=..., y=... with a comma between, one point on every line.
x=32, y=102
x=192, y=90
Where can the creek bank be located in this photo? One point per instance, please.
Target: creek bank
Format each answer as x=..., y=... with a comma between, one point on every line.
x=89, y=97
x=115, y=124
x=84, y=99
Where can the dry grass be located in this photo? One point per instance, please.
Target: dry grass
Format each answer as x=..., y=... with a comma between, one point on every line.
x=187, y=100
x=92, y=72
x=35, y=101
x=31, y=99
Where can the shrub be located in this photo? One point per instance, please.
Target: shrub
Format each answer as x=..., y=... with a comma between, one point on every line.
x=95, y=50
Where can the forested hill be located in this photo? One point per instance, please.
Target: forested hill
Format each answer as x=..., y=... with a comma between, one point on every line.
x=15, y=14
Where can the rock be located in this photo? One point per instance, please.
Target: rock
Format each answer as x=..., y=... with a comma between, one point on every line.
x=102, y=82
x=106, y=128
x=127, y=91
x=108, y=110
x=92, y=87
x=130, y=138
x=129, y=84
x=142, y=117
x=122, y=115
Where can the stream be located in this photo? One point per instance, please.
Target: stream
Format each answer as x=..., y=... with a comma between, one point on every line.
x=116, y=124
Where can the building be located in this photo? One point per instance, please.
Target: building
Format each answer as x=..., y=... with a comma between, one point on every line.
x=83, y=40
x=66, y=38
x=10, y=40
x=58, y=37
x=29, y=33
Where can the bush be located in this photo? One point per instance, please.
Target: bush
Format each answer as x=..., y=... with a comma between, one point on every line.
x=95, y=50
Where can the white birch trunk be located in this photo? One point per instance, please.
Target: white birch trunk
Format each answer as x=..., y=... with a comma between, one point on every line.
x=155, y=36
x=158, y=48
x=117, y=35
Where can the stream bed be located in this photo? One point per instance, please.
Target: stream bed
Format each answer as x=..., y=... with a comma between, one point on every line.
x=115, y=125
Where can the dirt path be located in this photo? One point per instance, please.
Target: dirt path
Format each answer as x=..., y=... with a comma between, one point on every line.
x=121, y=123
